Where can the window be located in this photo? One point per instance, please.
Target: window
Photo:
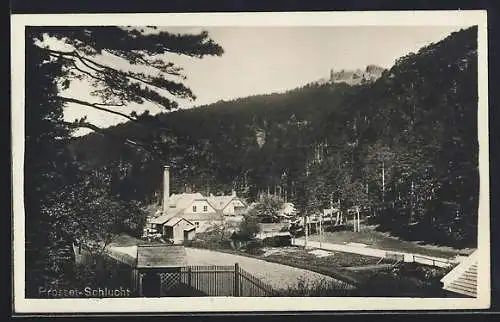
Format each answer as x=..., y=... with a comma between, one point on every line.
x=205, y=208
x=197, y=224
x=194, y=208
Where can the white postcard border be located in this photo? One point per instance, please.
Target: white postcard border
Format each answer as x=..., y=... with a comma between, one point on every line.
x=464, y=18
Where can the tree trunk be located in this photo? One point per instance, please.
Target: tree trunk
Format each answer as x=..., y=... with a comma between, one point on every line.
x=383, y=181
x=359, y=224
x=306, y=231
x=320, y=229
x=411, y=202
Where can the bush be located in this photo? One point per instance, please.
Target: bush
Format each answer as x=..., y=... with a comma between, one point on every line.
x=212, y=244
x=321, y=288
x=333, y=228
x=278, y=241
x=248, y=227
x=407, y=279
x=284, y=229
x=254, y=247
x=213, y=239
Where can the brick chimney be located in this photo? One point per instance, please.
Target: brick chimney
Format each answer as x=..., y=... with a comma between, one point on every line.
x=166, y=187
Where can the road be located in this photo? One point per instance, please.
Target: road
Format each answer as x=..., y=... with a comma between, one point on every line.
x=368, y=251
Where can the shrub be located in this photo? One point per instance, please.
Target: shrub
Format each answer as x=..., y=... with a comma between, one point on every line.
x=407, y=279
x=248, y=227
x=212, y=244
x=284, y=229
x=319, y=288
x=254, y=247
x=278, y=241
x=333, y=228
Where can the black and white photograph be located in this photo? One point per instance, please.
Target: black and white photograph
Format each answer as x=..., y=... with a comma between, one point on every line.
x=279, y=161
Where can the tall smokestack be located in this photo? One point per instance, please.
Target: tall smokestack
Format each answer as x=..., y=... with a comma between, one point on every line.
x=166, y=187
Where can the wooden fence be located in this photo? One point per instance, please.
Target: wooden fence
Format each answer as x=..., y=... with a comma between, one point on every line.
x=431, y=261
x=211, y=280
x=249, y=285
x=215, y=281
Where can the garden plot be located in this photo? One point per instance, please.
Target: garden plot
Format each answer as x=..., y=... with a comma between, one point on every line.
x=321, y=253
x=268, y=251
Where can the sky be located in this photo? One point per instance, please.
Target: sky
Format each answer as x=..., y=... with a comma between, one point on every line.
x=260, y=60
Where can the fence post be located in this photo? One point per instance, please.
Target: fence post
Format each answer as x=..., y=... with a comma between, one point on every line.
x=236, y=279
x=189, y=276
x=140, y=284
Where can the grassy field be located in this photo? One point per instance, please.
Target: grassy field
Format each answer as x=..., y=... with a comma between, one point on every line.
x=335, y=264
x=384, y=241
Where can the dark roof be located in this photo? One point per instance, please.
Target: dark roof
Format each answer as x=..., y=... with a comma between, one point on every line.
x=158, y=256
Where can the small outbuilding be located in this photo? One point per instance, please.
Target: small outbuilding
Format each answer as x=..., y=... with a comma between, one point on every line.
x=177, y=229
x=158, y=268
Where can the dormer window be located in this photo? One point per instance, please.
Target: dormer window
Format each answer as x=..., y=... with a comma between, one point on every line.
x=194, y=208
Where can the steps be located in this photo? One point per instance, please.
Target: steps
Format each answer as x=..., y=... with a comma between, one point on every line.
x=464, y=283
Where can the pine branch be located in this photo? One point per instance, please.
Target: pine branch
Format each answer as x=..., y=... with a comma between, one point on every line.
x=97, y=106
x=176, y=89
x=108, y=134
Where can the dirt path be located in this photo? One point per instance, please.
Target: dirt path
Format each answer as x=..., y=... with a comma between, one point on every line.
x=375, y=252
x=276, y=275
x=384, y=241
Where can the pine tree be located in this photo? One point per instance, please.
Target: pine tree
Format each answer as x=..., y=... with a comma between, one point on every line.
x=50, y=170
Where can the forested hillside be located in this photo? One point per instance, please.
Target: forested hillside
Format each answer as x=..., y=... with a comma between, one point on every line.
x=248, y=143
x=404, y=146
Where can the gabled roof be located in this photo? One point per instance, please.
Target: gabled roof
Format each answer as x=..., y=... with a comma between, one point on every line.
x=221, y=202
x=160, y=256
x=177, y=203
x=175, y=220
x=160, y=219
x=183, y=200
